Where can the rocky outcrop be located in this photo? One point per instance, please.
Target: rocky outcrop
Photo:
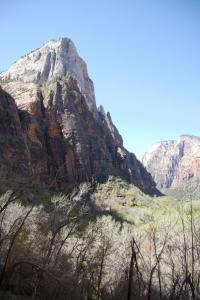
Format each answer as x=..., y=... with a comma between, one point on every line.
x=56, y=59
x=174, y=164
x=64, y=138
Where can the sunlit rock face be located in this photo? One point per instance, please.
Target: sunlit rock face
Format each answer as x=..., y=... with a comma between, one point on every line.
x=66, y=139
x=173, y=164
x=54, y=60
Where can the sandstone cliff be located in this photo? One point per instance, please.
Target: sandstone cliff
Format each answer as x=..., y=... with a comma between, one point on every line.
x=61, y=136
x=174, y=164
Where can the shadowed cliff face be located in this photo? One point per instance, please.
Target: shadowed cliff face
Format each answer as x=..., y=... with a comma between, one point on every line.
x=63, y=138
x=13, y=154
x=174, y=164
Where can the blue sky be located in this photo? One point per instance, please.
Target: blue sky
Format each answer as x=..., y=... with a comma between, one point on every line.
x=143, y=56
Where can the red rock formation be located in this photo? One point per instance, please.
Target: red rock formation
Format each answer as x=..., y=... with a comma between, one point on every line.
x=66, y=139
x=174, y=164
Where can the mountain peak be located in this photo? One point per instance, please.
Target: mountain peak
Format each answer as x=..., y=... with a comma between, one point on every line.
x=46, y=62
x=55, y=59
x=63, y=137
x=189, y=137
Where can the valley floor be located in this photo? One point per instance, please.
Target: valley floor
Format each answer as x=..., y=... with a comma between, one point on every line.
x=109, y=241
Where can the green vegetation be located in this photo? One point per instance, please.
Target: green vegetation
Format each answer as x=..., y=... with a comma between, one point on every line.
x=157, y=211
x=130, y=204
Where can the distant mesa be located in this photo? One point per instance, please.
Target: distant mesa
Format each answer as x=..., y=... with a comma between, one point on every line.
x=173, y=164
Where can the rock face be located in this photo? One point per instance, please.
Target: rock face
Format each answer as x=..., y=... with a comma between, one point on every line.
x=62, y=138
x=13, y=153
x=174, y=164
x=54, y=60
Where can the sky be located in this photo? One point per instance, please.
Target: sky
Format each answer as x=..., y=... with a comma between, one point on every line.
x=142, y=55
